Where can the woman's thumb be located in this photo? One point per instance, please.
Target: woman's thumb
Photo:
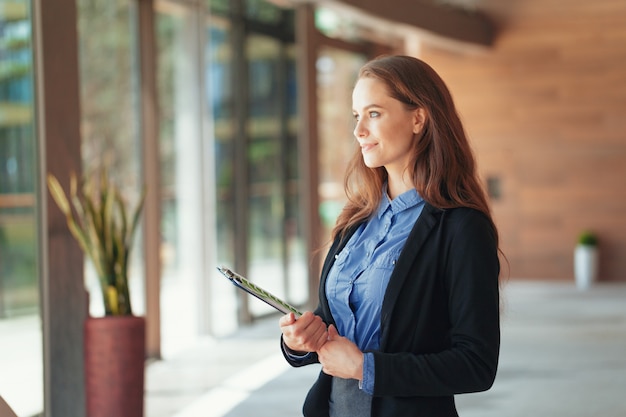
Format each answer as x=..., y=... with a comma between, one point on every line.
x=287, y=319
x=332, y=332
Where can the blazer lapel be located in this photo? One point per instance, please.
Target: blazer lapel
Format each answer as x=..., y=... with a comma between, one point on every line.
x=416, y=239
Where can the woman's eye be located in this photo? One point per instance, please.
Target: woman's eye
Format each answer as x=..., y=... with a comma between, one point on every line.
x=371, y=114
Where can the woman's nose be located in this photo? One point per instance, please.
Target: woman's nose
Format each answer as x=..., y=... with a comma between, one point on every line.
x=359, y=129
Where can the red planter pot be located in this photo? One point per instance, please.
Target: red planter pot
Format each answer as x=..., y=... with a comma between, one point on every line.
x=115, y=366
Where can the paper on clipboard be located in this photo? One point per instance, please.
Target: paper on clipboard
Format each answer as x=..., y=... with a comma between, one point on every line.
x=258, y=292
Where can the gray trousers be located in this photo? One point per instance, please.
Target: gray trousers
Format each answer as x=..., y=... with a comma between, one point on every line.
x=347, y=400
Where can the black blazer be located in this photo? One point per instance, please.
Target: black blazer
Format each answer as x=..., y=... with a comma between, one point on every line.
x=440, y=331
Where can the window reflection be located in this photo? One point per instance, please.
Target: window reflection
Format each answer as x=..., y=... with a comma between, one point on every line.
x=21, y=375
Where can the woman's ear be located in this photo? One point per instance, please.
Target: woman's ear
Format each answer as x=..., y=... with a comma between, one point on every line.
x=419, y=119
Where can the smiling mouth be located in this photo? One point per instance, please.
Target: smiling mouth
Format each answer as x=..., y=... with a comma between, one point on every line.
x=367, y=146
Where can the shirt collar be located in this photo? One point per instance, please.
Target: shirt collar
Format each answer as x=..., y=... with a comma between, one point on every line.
x=404, y=201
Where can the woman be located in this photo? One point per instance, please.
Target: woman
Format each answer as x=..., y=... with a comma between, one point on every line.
x=409, y=306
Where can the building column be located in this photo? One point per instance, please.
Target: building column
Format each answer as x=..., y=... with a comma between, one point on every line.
x=63, y=296
x=151, y=174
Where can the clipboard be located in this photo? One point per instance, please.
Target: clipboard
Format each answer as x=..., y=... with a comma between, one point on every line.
x=263, y=295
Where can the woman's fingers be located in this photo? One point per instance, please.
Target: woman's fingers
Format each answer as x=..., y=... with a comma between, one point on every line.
x=307, y=333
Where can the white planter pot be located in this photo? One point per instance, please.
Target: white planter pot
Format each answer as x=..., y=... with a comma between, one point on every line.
x=585, y=266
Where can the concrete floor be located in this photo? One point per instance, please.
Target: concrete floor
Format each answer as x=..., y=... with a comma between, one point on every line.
x=563, y=354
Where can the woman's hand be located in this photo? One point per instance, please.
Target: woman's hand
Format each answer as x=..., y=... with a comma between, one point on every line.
x=306, y=334
x=340, y=357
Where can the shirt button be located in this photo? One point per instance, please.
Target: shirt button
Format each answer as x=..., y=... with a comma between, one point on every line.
x=336, y=256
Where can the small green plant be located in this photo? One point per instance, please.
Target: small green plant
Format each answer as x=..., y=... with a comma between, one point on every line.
x=588, y=238
x=98, y=219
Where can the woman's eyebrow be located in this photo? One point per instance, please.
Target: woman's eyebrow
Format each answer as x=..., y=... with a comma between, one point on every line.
x=369, y=106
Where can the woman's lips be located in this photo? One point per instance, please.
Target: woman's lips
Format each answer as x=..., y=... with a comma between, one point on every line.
x=367, y=146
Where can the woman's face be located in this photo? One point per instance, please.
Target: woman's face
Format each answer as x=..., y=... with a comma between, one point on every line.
x=384, y=127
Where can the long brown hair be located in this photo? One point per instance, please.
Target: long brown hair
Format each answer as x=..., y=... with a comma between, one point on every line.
x=442, y=164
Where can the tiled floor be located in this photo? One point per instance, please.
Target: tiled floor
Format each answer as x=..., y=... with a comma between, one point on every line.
x=563, y=354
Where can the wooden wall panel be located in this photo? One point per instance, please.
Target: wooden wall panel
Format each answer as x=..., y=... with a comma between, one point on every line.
x=545, y=110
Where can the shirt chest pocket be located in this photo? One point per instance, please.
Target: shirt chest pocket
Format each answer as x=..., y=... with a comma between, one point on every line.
x=372, y=284
x=387, y=260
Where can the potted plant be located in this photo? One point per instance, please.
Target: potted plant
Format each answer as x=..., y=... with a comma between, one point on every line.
x=586, y=260
x=98, y=218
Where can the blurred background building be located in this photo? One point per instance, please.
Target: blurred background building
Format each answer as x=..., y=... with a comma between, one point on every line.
x=237, y=116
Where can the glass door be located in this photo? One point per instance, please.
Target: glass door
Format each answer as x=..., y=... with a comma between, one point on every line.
x=252, y=97
x=274, y=260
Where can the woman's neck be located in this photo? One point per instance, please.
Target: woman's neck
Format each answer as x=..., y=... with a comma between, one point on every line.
x=398, y=184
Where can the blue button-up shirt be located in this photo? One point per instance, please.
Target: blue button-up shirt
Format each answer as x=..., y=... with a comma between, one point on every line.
x=358, y=279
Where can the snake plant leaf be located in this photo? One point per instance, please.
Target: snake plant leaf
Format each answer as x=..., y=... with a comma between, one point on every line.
x=58, y=195
x=60, y=198
x=93, y=229
x=136, y=216
x=112, y=293
x=97, y=217
x=119, y=201
x=80, y=213
x=108, y=221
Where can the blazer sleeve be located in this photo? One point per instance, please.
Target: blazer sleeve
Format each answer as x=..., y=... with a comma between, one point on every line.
x=467, y=262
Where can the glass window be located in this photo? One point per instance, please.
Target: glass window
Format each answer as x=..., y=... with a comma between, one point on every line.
x=110, y=114
x=297, y=274
x=195, y=165
x=218, y=6
x=263, y=11
x=335, y=25
x=266, y=169
x=219, y=74
x=274, y=259
x=337, y=70
x=182, y=179
x=21, y=378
